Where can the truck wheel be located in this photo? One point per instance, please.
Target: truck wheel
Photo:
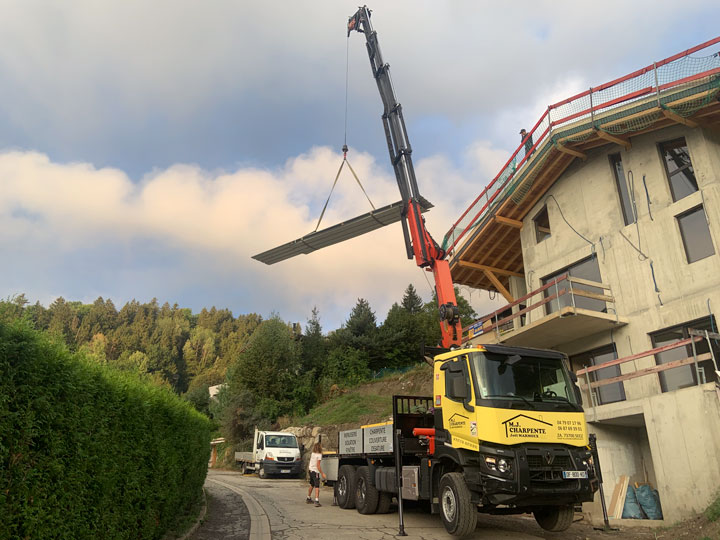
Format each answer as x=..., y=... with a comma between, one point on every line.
x=555, y=518
x=459, y=514
x=261, y=473
x=384, y=503
x=345, y=487
x=366, y=495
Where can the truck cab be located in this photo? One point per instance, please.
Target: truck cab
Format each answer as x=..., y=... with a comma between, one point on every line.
x=511, y=420
x=277, y=453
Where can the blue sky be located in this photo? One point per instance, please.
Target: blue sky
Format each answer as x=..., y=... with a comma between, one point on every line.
x=149, y=149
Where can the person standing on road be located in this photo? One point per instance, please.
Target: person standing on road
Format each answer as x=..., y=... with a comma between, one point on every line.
x=315, y=469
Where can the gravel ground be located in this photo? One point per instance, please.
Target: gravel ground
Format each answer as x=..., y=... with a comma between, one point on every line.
x=227, y=517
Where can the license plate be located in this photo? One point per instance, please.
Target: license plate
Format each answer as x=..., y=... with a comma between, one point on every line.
x=284, y=470
x=574, y=474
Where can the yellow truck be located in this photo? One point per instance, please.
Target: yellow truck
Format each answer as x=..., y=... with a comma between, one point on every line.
x=503, y=433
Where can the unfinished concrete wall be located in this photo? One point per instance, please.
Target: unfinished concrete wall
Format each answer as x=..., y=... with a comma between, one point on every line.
x=684, y=433
x=654, y=288
x=633, y=265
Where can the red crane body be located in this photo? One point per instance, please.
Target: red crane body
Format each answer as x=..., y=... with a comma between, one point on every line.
x=419, y=244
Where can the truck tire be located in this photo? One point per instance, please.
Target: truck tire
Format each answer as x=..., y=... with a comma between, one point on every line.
x=459, y=514
x=345, y=487
x=554, y=518
x=261, y=473
x=366, y=496
x=384, y=503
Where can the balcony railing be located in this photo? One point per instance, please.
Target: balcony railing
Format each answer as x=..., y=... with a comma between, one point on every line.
x=588, y=386
x=567, y=294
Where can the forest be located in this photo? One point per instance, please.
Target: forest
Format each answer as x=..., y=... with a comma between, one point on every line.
x=269, y=368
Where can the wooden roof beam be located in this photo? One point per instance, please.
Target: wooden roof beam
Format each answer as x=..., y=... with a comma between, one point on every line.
x=502, y=271
x=510, y=222
x=679, y=119
x=499, y=286
x=622, y=141
x=570, y=151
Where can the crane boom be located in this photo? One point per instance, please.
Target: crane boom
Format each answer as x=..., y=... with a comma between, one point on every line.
x=419, y=244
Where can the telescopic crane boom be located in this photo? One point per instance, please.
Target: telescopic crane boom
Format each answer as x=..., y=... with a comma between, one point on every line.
x=418, y=242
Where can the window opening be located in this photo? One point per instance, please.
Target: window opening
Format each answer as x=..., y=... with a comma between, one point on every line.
x=684, y=376
x=622, y=187
x=542, y=225
x=678, y=168
x=585, y=269
x=695, y=234
x=609, y=393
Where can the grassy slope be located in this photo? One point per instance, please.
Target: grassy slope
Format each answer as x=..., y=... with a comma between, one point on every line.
x=370, y=402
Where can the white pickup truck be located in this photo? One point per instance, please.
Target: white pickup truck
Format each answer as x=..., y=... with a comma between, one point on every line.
x=274, y=453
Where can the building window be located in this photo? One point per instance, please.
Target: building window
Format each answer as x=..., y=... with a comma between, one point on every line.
x=609, y=393
x=684, y=376
x=585, y=269
x=695, y=234
x=622, y=187
x=679, y=168
x=542, y=225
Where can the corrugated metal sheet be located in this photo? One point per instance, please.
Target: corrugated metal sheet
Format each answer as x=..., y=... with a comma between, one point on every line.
x=346, y=230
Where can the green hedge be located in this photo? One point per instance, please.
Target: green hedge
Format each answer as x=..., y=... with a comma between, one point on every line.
x=88, y=452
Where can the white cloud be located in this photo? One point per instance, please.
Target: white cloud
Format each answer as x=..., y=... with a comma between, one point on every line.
x=225, y=217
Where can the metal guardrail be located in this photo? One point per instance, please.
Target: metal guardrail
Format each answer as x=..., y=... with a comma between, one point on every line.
x=695, y=359
x=674, y=72
x=498, y=322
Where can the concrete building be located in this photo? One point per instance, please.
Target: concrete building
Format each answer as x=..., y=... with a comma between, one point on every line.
x=603, y=235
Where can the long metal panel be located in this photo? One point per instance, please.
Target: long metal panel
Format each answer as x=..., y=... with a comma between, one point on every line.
x=346, y=230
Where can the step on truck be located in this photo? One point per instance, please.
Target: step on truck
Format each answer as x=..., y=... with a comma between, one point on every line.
x=503, y=433
x=275, y=453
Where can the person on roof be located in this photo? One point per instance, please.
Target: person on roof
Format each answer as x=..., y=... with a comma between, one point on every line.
x=528, y=140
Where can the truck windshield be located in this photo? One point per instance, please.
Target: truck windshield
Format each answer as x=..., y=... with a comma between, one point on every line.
x=280, y=441
x=532, y=381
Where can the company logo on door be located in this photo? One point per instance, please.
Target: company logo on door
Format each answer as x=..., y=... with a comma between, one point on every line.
x=457, y=421
x=525, y=426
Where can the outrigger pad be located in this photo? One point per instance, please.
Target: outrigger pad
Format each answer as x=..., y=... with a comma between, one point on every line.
x=346, y=230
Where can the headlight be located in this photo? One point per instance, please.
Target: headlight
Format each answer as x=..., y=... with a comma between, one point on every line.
x=500, y=465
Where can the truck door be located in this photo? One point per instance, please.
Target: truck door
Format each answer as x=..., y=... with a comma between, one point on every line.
x=458, y=409
x=260, y=445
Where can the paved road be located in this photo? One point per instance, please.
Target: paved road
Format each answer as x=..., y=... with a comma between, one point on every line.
x=278, y=508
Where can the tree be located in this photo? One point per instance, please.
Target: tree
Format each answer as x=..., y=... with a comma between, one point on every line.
x=63, y=321
x=268, y=368
x=314, y=347
x=411, y=302
x=95, y=348
x=199, y=352
x=362, y=320
x=347, y=366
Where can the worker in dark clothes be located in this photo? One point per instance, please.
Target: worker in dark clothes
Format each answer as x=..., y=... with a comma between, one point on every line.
x=528, y=140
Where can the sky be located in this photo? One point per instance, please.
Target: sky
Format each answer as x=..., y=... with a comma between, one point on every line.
x=149, y=149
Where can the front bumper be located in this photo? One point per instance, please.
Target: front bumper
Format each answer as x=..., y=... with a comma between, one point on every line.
x=536, y=477
x=284, y=468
